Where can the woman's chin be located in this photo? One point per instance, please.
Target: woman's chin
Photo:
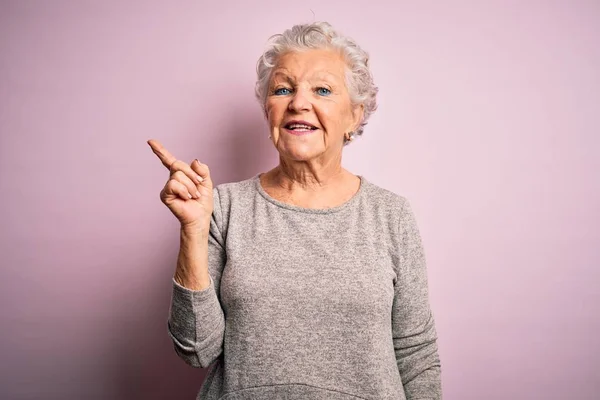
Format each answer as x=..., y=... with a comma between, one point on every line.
x=301, y=152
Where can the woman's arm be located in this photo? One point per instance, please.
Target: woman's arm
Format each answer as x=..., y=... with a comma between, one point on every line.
x=196, y=321
x=413, y=328
x=192, y=261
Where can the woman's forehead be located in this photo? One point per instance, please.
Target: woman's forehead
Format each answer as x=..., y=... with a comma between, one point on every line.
x=310, y=64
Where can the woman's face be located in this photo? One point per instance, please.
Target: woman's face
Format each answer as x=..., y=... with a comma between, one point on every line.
x=309, y=87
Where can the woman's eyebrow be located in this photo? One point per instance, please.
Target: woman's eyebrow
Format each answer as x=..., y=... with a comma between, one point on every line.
x=326, y=76
x=282, y=75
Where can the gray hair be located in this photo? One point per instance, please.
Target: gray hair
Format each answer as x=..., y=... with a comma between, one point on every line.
x=321, y=35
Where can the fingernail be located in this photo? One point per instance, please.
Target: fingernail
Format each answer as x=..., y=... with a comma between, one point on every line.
x=190, y=195
x=197, y=193
x=199, y=178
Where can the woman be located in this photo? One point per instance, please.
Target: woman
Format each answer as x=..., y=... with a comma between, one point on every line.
x=307, y=281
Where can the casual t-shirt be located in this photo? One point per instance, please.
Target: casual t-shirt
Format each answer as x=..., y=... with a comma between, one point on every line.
x=310, y=303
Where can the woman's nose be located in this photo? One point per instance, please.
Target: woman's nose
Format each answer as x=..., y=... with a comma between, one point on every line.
x=299, y=101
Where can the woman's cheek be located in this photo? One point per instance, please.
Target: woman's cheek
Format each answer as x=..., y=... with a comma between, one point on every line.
x=275, y=134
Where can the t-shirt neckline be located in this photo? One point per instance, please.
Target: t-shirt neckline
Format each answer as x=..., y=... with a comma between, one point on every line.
x=292, y=207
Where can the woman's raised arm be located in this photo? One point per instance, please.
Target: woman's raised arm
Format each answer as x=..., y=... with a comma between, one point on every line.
x=196, y=322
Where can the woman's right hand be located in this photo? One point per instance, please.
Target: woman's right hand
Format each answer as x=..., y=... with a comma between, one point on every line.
x=189, y=191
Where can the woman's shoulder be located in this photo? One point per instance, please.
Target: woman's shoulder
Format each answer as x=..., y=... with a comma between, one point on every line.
x=392, y=209
x=229, y=188
x=380, y=196
x=226, y=193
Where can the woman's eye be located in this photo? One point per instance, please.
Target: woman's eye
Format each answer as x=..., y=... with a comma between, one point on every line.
x=323, y=91
x=281, y=91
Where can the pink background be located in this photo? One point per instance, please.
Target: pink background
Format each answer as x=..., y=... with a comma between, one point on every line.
x=488, y=123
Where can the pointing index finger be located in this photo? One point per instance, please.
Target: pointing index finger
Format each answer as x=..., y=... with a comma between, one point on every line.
x=163, y=154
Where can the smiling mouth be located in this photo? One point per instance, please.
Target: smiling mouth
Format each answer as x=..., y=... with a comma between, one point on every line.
x=300, y=127
x=296, y=128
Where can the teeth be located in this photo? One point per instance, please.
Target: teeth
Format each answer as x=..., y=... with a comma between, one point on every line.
x=299, y=126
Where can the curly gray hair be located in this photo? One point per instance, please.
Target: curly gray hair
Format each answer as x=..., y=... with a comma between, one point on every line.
x=320, y=35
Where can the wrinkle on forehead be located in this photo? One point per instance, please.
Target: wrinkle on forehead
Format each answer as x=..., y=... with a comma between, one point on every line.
x=310, y=65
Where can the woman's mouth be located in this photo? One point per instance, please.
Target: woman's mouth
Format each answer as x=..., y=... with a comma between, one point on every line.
x=299, y=128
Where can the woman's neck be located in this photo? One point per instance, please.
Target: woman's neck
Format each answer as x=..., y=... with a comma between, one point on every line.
x=310, y=187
